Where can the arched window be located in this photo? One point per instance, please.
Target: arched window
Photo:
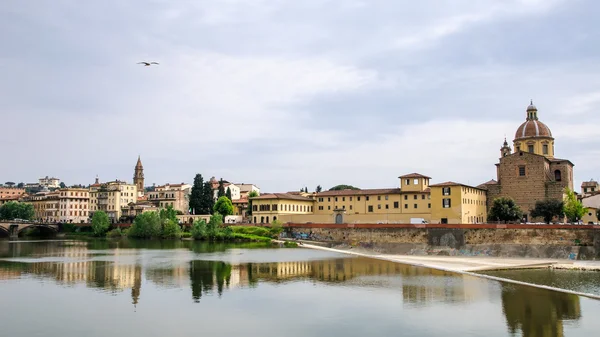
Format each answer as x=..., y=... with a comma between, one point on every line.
x=557, y=175
x=262, y=219
x=267, y=220
x=274, y=218
x=254, y=219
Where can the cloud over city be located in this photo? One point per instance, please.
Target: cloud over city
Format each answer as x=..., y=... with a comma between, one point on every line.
x=287, y=94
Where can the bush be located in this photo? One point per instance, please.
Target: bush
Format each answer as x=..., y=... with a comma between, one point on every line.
x=199, y=229
x=100, y=223
x=289, y=244
x=115, y=233
x=250, y=237
x=68, y=228
x=252, y=230
x=171, y=230
x=186, y=235
x=146, y=225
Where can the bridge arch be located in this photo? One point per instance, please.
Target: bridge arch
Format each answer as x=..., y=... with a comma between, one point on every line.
x=4, y=232
x=42, y=226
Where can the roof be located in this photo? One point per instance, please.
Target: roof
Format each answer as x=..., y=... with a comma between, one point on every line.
x=285, y=196
x=532, y=128
x=360, y=192
x=414, y=175
x=240, y=201
x=484, y=185
x=589, y=183
x=554, y=160
x=452, y=183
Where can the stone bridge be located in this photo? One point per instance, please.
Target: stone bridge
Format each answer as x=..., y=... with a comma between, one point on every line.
x=13, y=228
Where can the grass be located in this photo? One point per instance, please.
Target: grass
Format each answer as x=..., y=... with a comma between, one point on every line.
x=269, y=232
x=250, y=237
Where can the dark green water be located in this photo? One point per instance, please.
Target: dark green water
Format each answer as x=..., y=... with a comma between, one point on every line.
x=152, y=288
x=580, y=281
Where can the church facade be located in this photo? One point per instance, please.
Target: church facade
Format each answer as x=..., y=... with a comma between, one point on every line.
x=530, y=172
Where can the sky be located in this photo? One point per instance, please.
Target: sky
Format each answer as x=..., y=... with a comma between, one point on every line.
x=286, y=94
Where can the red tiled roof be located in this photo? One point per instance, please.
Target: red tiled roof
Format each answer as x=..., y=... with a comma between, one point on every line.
x=451, y=183
x=286, y=196
x=414, y=175
x=240, y=201
x=360, y=192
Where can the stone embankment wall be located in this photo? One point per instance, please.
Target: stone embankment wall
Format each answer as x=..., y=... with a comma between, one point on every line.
x=560, y=243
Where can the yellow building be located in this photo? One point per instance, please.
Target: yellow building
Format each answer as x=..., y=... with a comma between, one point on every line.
x=112, y=197
x=455, y=203
x=270, y=207
x=591, y=216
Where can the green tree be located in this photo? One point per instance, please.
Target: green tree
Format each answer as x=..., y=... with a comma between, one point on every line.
x=208, y=199
x=228, y=193
x=100, y=223
x=318, y=189
x=20, y=185
x=504, y=209
x=171, y=229
x=251, y=194
x=195, y=203
x=146, y=225
x=213, y=226
x=223, y=206
x=343, y=187
x=16, y=210
x=199, y=229
x=62, y=185
x=547, y=209
x=573, y=208
x=221, y=191
x=168, y=213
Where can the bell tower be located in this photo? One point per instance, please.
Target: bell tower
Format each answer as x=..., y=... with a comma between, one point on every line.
x=138, y=176
x=505, y=149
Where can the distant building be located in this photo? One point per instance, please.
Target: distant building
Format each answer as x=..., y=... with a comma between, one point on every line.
x=174, y=195
x=11, y=192
x=129, y=212
x=73, y=205
x=111, y=197
x=245, y=189
x=49, y=182
x=532, y=172
x=589, y=188
x=138, y=177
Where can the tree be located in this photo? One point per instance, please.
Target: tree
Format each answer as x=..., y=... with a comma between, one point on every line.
x=146, y=225
x=213, y=226
x=208, y=199
x=547, y=209
x=318, y=189
x=9, y=184
x=228, y=193
x=168, y=214
x=195, y=203
x=16, y=210
x=251, y=194
x=100, y=223
x=62, y=185
x=221, y=192
x=223, y=207
x=20, y=185
x=171, y=230
x=504, y=209
x=343, y=187
x=572, y=207
x=306, y=189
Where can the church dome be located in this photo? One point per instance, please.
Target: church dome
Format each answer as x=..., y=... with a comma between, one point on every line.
x=532, y=127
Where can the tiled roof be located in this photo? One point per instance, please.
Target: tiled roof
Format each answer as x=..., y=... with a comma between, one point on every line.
x=285, y=196
x=451, y=183
x=360, y=192
x=414, y=175
x=589, y=183
x=240, y=201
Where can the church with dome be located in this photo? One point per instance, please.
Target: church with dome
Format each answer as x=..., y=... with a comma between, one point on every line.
x=530, y=171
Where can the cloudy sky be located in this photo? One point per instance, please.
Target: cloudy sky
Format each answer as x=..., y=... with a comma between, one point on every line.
x=287, y=94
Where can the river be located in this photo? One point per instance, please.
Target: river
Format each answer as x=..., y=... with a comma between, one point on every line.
x=171, y=288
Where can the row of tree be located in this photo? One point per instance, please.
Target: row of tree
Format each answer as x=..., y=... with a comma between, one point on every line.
x=506, y=210
x=319, y=189
x=201, y=197
x=16, y=210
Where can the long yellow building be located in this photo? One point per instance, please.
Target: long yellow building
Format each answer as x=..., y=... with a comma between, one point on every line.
x=415, y=201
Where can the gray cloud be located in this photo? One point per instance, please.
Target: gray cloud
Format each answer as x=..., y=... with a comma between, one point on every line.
x=287, y=94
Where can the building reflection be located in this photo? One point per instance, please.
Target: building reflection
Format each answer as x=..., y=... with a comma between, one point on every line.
x=538, y=312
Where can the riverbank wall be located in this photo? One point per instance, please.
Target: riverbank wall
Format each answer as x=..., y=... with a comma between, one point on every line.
x=528, y=241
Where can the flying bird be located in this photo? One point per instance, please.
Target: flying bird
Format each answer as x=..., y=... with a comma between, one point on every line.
x=147, y=64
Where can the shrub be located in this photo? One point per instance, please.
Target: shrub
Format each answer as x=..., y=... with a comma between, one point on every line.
x=171, y=230
x=289, y=244
x=100, y=223
x=186, y=235
x=115, y=233
x=145, y=226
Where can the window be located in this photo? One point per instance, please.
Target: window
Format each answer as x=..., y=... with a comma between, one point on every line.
x=350, y=207
x=405, y=205
x=350, y=198
x=405, y=197
x=386, y=197
x=415, y=206
x=557, y=175
x=378, y=197
x=518, y=148
x=387, y=206
x=367, y=198
x=320, y=199
x=328, y=199
x=320, y=208
x=344, y=206
x=335, y=198
x=370, y=208
x=446, y=191
x=379, y=206
x=329, y=208
x=416, y=181
x=428, y=205
x=357, y=198
x=407, y=182
x=274, y=207
x=521, y=171
x=446, y=203
x=343, y=198
x=396, y=204
x=530, y=148
x=545, y=149
x=415, y=197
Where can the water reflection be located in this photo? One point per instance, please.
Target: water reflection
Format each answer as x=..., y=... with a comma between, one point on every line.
x=537, y=312
x=534, y=312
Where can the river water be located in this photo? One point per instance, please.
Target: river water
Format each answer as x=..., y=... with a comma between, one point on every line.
x=172, y=288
